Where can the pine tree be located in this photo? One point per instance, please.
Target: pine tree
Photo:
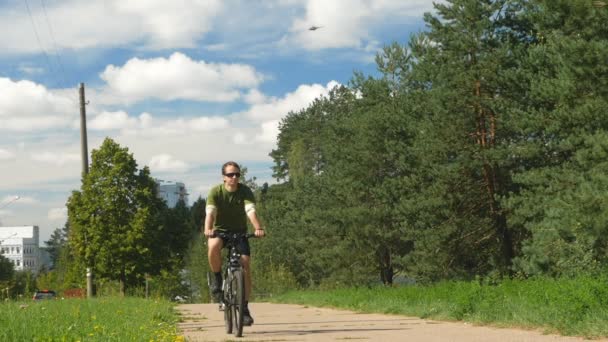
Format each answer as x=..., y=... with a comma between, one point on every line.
x=459, y=88
x=563, y=140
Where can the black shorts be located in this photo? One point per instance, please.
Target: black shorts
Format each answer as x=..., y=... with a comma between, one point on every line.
x=242, y=246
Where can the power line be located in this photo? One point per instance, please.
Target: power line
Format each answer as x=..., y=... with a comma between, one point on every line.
x=46, y=55
x=48, y=24
x=29, y=12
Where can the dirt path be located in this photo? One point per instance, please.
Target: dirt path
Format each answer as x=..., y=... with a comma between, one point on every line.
x=282, y=322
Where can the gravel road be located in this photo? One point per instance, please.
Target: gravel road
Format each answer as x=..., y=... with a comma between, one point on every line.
x=283, y=322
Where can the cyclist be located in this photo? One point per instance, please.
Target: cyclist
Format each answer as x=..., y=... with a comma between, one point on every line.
x=228, y=206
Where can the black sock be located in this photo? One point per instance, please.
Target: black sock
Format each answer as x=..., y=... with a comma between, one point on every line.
x=218, y=277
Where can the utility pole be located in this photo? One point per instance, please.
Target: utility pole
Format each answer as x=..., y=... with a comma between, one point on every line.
x=83, y=132
x=85, y=170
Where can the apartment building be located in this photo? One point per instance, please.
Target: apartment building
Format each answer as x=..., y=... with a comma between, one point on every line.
x=20, y=246
x=172, y=192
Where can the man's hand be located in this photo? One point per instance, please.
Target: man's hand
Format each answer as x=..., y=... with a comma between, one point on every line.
x=260, y=233
x=209, y=232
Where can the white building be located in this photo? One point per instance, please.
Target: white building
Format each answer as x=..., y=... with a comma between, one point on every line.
x=172, y=192
x=20, y=246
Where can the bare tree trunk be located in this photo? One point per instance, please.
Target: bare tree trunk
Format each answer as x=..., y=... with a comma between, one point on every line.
x=386, y=266
x=487, y=140
x=122, y=282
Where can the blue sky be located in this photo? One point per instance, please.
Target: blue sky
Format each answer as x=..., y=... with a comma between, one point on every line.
x=185, y=85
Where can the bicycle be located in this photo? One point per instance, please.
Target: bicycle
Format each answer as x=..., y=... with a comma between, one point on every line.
x=233, y=286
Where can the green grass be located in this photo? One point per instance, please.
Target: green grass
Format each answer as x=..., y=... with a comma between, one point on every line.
x=99, y=319
x=577, y=307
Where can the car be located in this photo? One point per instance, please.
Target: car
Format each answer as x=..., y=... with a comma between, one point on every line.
x=44, y=294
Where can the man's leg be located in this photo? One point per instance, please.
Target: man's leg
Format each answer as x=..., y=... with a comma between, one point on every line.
x=214, y=254
x=245, y=261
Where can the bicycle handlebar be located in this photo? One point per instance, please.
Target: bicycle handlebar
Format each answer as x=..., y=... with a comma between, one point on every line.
x=221, y=234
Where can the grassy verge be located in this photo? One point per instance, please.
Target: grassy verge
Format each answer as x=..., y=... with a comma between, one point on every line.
x=567, y=306
x=100, y=319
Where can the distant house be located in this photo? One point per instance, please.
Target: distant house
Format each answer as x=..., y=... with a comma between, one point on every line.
x=20, y=246
x=172, y=192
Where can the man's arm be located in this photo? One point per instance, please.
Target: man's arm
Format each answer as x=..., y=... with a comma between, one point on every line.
x=251, y=214
x=253, y=217
x=209, y=220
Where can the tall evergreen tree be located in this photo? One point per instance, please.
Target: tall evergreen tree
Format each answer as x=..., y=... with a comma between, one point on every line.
x=56, y=242
x=463, y=137
x=562, y=145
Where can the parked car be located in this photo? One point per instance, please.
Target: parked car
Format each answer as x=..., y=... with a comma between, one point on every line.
x=44, y=294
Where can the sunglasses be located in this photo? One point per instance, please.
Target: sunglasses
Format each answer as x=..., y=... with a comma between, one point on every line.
x=233, y=174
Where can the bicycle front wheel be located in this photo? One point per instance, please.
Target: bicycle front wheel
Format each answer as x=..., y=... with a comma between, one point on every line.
x=228, y=319
x=238, y=305
x=228, y=300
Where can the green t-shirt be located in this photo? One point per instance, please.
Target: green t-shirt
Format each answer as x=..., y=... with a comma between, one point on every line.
x=230, y=214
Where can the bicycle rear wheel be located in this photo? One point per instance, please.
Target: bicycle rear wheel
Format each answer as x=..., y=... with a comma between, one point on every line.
x=238, y=305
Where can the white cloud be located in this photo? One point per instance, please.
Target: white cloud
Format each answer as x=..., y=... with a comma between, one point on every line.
x=266, y=112
x=254, y=96
x=114, y=23
x=342, y=24
x=270, y=131
x=348, y=23
x=276, y=108
x=58, y=214
x=179, y=77
x=58, y=159
x=167, y=163
x=170, y=24
x=26, y=106
x=240, y=138
x=238, y=26
x=112, y=120
x=6, y=155
x=147, y=125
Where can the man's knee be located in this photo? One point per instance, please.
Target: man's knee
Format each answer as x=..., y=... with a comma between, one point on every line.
x=214, y=246
x=245, y=261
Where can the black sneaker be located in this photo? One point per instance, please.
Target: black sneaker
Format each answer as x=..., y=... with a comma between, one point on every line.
x=215, y=287
x=247, y=319
x=218, y=297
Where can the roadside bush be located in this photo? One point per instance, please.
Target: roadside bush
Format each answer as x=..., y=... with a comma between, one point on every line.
x=271, y=280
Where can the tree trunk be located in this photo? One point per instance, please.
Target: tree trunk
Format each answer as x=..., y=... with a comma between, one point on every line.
x=486, y=139
x=122, y=283
x=386, y=266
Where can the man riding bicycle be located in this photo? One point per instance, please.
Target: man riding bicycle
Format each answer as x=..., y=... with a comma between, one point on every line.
x=228, y=206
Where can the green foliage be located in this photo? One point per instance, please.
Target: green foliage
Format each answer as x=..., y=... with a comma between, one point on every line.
x=576, y=306
x=116, y=319
x=197, y=268
x=6, y=269
x=480, y=151
x=57, y=241
x=23, y=285
x=563, y=145
x=114, y=220
x=270, y=280
x=197, y=216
